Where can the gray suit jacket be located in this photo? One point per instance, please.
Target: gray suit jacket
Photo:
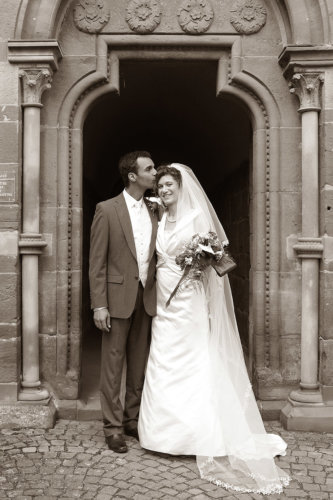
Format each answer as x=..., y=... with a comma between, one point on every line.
x=113, y=267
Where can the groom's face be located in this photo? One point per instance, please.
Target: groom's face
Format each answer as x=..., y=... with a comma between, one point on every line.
x=146, y=173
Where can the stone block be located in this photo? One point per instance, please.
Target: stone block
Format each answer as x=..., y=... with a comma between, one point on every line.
x=9, y=297
x=326, y=201
x=76, y=292
x=90, y=410
x=326, y=313
x=10, y=216
x=75, y=355
x=290, y=303
x=290, y=358
x=66, y=409
x=9, y=392
x=290, y=213
x=289, y=262
x=3, y=51
x=307, y=418
x=326, y=365
x=278, y=392
x=9, y=257
x=48, y=302
x=326, y=154
x=76, y=239
x=327, y=262
x=325, y=303
x=270, y=410
x=9, y=113
x=48, y=226
x=23, y=415
x=10, y=330
x=9, y=142
x=65, y=387
x=49, y=168
x=9, y=360
x=9, y=83
x=290, y=159
x=328, y=95
x=48, y=357
x=327, y=393
x=9, y=18
x=62, y=302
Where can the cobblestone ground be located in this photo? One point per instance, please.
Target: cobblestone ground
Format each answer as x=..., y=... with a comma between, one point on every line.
x=72, y=461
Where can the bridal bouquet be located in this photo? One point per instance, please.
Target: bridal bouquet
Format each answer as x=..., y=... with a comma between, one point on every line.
x=202, y=251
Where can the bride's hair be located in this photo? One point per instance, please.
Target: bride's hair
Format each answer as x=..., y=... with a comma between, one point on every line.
x=166, y=169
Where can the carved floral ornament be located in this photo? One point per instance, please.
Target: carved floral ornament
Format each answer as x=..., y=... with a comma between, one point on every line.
x=91, y=16
x=34, y=82
x=307, y=88
x=248, y=16
x=143, y=16
x=195, y=16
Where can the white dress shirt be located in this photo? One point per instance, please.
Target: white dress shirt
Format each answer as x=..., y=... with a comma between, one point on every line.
x=142, y=230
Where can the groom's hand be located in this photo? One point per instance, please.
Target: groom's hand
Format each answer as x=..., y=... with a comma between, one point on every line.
x=102, y=319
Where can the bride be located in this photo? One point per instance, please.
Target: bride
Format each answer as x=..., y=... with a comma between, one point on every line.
x=197, y=397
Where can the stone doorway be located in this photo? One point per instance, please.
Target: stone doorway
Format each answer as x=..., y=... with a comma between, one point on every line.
x=169, y=108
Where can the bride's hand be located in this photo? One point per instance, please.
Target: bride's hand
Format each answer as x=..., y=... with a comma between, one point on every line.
x=102, y=320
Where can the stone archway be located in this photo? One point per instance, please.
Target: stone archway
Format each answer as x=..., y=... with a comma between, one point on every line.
x=265, y=119
x=159, y=109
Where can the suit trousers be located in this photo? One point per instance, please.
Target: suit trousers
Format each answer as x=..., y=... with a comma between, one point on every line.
x=128, y=338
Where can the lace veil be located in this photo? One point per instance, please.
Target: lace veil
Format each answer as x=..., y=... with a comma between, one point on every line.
x=247, y=464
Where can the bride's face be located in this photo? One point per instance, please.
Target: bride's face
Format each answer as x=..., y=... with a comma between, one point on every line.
x=168, y=190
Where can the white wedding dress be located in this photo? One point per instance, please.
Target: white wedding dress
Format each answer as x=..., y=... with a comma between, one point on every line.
x=193, y=403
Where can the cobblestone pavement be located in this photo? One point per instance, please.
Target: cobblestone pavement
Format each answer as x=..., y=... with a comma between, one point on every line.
x=72, y=461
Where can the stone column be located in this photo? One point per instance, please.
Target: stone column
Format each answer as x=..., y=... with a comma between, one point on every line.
x=34, y=82
x=302, y=407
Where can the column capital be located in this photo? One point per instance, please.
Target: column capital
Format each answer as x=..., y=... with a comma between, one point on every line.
x=307, y=88
x=309, y=248
x=34, y=82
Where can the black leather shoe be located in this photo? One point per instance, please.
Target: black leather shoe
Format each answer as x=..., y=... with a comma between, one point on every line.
x=116, y=443
x=132, y=432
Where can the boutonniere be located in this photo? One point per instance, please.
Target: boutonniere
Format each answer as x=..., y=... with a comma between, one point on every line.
x=153, y=204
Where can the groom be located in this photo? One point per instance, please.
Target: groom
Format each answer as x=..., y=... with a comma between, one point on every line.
x=123, y=294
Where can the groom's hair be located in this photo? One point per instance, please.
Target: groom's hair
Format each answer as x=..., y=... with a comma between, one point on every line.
x=128, y=163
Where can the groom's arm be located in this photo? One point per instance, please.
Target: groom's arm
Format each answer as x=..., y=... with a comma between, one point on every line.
x=99, y=242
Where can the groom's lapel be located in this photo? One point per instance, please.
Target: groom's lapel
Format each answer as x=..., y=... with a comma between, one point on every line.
x=125, y=221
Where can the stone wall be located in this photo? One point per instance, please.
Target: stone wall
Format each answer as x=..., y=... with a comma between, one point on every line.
x=10, y=208
x=326, y=205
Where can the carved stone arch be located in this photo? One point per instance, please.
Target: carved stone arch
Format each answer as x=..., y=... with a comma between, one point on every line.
x=75, y=107
x=309, y=22
x=265, y=118
x=40, y=19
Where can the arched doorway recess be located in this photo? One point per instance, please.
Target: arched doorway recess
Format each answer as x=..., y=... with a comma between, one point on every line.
x=262, y=110
x=171, y=109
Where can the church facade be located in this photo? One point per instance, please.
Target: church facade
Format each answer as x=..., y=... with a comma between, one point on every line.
x=242, y=92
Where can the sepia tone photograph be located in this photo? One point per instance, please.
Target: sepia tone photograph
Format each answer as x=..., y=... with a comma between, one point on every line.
x=166, y=256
